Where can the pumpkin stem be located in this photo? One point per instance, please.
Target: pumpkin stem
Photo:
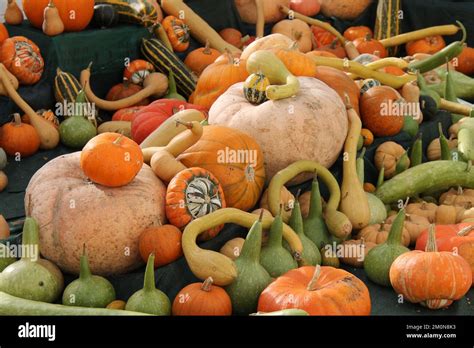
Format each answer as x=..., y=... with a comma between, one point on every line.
x=465, y=231
x=314, y=280
x=206, y=50
x=17, y=119
x=460, y=191
x=294, y=46
x=118, y=140
x=207, y=284
x=85, y=271
x=347, y=101
x=188, y=125
x=368, y=37
x=431, y=245
x=51, y=4
x=333, y=44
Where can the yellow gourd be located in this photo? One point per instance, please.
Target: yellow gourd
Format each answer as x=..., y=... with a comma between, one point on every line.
x=52, y=23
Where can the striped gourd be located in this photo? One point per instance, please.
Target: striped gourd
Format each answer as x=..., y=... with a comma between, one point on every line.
x=254, y=88
x=387, y=23
x=166, y=61
x=134, y=11
x=66, y=87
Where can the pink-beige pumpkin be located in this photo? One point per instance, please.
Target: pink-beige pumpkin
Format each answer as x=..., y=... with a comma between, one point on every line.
x=310, y=126
x=296, y=30
x=71, y=211
x=269, y=42
x=271, y=10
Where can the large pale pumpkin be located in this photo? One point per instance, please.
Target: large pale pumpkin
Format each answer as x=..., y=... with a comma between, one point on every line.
x=270, y=42
x=248, y=10
x=344, y=9
x=311, y=126
x=71, y=211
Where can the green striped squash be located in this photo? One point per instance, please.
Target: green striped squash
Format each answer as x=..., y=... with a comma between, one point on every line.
x=66, y=87
x=387, y=22
x=254, y=88
x=134, y=11
x=166, y=61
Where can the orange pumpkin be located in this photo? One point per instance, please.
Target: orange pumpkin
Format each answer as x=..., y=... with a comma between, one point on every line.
x=202, y=299
x=433, y=279
x=318, y=291
x=23, y=59
x=124, y=90
x=322, y=37
x=200, y=58
x=178, y=33
x=367, y=136
x=217, y=78
x=235, y=159
x=112, y=160
x=3, y=33
x=297, y=62
x=428, y=45
x=369, y=45
x=162, y=240
x=76, y=15
x=137, y=71
x=191, y=194
x=379, y=111
x=334, y=48
x=321, y=54
x=465, y=63
x=298, y=31
x=17, y=137
x=232, y=36
x=353, y=33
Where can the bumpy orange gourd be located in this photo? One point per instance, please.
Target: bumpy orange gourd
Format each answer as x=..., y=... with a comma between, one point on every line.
x=178, y=33
x=162, y=240
x=297, y=62
x=19, y=138
x=112, y=160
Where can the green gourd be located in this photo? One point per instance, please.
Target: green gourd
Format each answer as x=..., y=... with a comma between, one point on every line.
x=252, y=278
x=76, y=131
x=32, y=277
x=450, y=92
x=273, y=257
x=5, y=259
x=416, y=156
x=88, y=290
x=403, y=163
x=3, y=159
x=410, y=126
x=172, y=91
x=149, y=299
x=379, y=259
x=378, y=212
x=444, y=145
x=310, y=255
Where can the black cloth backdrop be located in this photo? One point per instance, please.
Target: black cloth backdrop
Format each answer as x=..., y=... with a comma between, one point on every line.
x=219, y=14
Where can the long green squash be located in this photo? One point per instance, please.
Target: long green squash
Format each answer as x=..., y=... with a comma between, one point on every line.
x=430, y=176
x=134, y=11
x=166, y=61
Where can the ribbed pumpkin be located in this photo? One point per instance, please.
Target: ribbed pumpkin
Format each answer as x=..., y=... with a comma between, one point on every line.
x=235, y=159
x=191, y=194
x=66, y=87
x=254, y=88
x=296, y=62
x=75, y=15
x=217, y=78
x=23, y=59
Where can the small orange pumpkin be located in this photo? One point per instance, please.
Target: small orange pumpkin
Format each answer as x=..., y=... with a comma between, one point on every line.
x=367, y=136
x=353, y=33
x=232, y=36
x=369, y=45
x=17, y=137
x=3, y=33
x=200, y=58
x=428, y=45
x=465, y=63
x=202, y=299
x=321, y=36
x=112, y=160
x=162, y=240
x=178, y=33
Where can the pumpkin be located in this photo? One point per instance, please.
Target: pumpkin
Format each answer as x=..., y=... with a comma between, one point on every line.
x=164, y=241
x=369, y=45
x=296, y=30
x=178, y=33
x=233, y=36
x=367, y=136
x=334, y=48
x=379, y=233
x=465, y=61
x=388, y=155
x=321, y=54
x=75, y=15
x=344, y=9
x=255, y=87
x=3, y=185
x=233, y=247
x=105, y=16
x=380, y=111
x=308, y=8
x=151, y=117
x=317, y=290
x=235, y=159
x=353, y=33
x=112, y=160
x=136, y=72
x=272, y=41
x=202, y=299
x=427, y=45
x=124, y=90
x=433, y=152
x=432, y=278
x=322, y=37
x=126, y=114
x=19, y=138
x=303, y=130
x=340, y=82
x=414, y=224
x=248, y=10
x=23, y=59
x=458, y=197
x=3, y=33
x=192, y=193
x=297, y=62
x=427, y=210
x=71, y=211
x=200, y=58
x=355, y=251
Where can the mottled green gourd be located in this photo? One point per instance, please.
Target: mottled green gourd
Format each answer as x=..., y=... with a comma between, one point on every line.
x=310, y=255
x=252, y=278
x=378, y=261
x=5, y=259
x=77, y=130
x=273, y=257
x=32, y=277
x=88, y=290
x=149, y=300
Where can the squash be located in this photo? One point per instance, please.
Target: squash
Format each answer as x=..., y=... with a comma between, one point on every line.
x=206, y=263
x=268, y=42
x=343, y=9
x=145, y=13
x=136, y=72
x=3, y=33
x=89, y=290
x=458, y=197
x=202, y=299
x=388, y=155
x=191, y=194
x=417, y=275
x=18, y=138
x=117, y=304
x=234, y=37
x=355, y=251
x=22, y=57
x=13, y=14
x=105, y=16
x=233, y=248
x=254, y=88
x=248, y=10
x=178, y=33
x=298, y=31
x=252, y=277
x=32, y=277
x=287, y=202
x=335, y=48
x=379, y=233
x=354, y=202
x=200, y=58
x=52, y=24
x=235, y=159
x=297, y=63
x=433, y=152
x=105, y=218
x=163, y=241
x=465, y=61
x=149, y=299
x=318, y=291
x=302, y=132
